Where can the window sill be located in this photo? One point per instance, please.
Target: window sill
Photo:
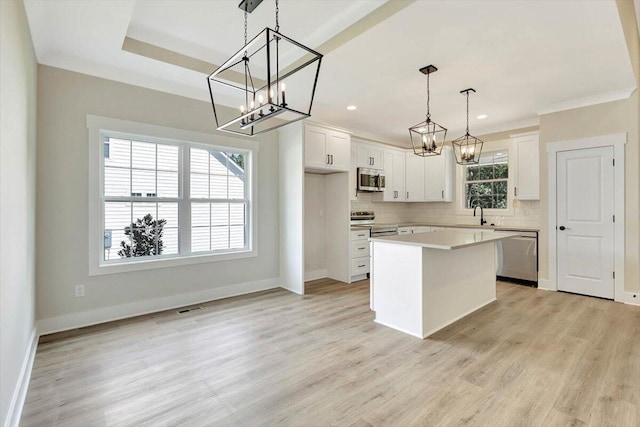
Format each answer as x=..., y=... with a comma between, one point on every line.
x=153, y=264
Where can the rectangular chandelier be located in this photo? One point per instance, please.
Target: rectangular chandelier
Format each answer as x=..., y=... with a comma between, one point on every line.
x=268, y=83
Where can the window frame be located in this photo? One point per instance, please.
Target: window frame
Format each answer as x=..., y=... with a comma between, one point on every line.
x=103, y=127
x=462, y=191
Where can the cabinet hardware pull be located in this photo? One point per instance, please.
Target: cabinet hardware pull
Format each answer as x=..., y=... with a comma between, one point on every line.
x=407, y=195
x=328, y=159
x=515, y=191
x=331, y=158
x=443, y=194
x=360, y=266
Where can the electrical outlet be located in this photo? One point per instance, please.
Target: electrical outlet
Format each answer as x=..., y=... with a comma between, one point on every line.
x=79, y=291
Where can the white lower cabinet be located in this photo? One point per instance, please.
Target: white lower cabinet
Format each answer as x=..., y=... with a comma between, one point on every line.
x=359, y=254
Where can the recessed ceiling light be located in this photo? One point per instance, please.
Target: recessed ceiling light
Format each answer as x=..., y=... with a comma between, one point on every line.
x=351, y=107
x=482, y=116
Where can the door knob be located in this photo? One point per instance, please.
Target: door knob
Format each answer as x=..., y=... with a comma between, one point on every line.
x=562, y=228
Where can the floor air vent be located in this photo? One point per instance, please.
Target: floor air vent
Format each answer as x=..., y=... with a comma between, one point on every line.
x=188, y=310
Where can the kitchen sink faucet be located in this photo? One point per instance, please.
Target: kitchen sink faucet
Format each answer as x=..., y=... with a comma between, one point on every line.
x=482, y=220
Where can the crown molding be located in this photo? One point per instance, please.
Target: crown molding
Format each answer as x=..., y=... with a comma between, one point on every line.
x=587, y=101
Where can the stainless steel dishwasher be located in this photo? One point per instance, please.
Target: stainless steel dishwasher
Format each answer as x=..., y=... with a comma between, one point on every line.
x=518, y=258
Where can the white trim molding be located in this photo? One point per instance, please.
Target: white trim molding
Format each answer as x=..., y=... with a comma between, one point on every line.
x=99, y=127
x=315, y=274
x=617, y=141
x=601, y=98
x=109, y=314
x=22, y=386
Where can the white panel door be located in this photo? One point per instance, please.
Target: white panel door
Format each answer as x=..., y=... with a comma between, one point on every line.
x=389, y=194
x=527, y=176
x=363, y=156
x=399, y=176
x=339, y=150
x=585, y=229
x=414, y=184
x=377, y=157
x=315, y=151
x=435, y=177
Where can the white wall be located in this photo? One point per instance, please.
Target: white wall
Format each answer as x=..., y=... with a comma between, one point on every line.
x=291, y=203
x=314, y=226
x=18, y=80
x=64, y=100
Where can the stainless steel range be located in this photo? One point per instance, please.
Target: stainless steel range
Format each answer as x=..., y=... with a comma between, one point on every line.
x=367, y=219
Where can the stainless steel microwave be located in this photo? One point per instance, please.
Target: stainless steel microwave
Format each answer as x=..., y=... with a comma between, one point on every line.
x=370, y=180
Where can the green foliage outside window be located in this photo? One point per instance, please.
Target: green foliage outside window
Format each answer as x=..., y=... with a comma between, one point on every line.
x=486, y=186
x=146, y=238
x=238, y=159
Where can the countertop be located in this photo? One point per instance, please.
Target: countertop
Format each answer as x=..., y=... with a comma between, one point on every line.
x=476, y=226
x=447, y=239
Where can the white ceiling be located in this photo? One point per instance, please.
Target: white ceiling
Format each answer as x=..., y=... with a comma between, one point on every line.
x=522, y=56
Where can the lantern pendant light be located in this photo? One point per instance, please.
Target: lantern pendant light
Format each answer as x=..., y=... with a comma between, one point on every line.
x=270, y=81
x=467, y=148
x=427, y=137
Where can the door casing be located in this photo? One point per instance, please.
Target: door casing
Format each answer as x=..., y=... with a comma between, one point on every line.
x=617, y=141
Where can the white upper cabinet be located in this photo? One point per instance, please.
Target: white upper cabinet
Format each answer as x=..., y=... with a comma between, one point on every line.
x=394, y=171
x=369, y=156
x=414, y=183
x=439, y=177
x=525, y=149
x=326, y=149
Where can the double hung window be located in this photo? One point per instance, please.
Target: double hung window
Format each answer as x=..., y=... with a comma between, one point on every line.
x=163, y=200
x=486, y=184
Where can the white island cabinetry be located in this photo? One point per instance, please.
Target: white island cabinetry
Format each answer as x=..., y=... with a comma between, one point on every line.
x=423, y=282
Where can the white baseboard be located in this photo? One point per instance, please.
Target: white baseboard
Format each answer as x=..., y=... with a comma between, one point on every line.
x=315, y=274
x=358, y=278
x=108, y=314
x=404, y=331
x=22, y=386
x=544, y=285
x=444, y=325
x=631, y=298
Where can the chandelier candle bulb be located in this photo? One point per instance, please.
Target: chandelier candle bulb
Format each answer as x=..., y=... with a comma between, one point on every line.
x=284, y=87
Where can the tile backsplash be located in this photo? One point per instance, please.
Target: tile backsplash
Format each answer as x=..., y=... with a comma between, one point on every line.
x=525, y=213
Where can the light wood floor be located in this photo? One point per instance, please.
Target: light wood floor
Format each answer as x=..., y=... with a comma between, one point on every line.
x=275, y=358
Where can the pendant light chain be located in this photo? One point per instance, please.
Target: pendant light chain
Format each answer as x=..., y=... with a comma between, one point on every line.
x=428, y=100
x=467, y=113
x=245, y=28
x=277, y=21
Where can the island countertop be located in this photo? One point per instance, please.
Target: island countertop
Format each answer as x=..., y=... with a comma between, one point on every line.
x=447, y=239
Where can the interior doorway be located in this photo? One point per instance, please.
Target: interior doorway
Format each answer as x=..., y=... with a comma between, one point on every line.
x=586, y=216
x=585, y=221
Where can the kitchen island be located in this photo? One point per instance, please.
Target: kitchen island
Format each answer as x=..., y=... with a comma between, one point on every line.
x=421, y=283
